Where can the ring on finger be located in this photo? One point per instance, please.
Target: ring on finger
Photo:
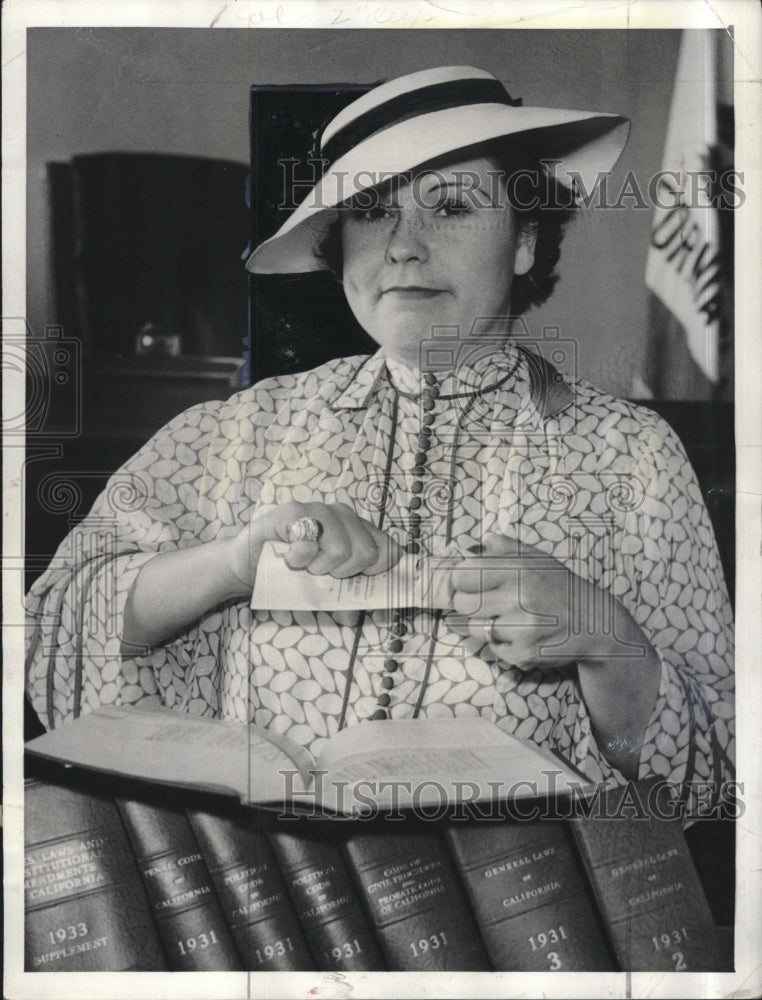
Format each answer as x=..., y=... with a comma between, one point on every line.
x=488, y=628
x=305, y=529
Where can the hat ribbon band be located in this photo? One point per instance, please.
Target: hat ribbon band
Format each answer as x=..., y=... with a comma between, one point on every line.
x=436, y=97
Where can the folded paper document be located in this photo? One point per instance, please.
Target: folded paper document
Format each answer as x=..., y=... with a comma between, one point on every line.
x=420, y=581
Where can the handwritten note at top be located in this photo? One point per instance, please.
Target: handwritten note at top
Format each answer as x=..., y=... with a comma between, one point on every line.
x=373, y=14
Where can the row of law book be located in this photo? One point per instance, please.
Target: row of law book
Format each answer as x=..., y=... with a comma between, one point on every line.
x=160, y=880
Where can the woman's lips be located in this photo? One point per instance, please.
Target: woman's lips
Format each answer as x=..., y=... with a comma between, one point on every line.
x=413, y=292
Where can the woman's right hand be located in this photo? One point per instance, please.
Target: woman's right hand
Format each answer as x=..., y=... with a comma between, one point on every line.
x=178, y=586
x=347, y=545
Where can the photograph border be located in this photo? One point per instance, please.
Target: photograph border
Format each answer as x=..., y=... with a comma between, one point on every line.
x=744, y=17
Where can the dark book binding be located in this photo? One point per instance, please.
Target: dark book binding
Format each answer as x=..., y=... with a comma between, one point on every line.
x=86, y=908
x=251, y=890
x=326, y=900
x=530, y=901
x=412, y=892
x=183, y=899
x=645, y=882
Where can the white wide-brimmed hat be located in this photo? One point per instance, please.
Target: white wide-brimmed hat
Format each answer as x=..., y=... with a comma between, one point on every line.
x=421, y=117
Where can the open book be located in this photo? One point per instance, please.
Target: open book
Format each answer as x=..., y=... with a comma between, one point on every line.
x=380, y=765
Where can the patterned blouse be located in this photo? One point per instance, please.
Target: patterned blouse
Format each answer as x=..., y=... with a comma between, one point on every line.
x=511, y=447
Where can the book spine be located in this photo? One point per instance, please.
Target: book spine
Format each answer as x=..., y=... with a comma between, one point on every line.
x=530, y=901
x=647, y=888
x=421, y=916
x=86, y=908
x=252, y=891
x=324, y=896
x=180, y=889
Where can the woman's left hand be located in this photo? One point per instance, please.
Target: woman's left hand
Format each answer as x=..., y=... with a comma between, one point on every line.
x=533, y=612
x=528, y=607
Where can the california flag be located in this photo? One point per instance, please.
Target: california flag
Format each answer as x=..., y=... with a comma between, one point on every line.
x=684, y=267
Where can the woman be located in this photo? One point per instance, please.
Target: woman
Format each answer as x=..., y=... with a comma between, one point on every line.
x=569, y=508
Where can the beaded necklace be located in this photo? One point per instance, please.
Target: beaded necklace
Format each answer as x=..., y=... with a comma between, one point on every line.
x=402, y=617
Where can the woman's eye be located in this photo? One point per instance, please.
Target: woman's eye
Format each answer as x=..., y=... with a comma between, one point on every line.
x=452, y=208
x=374, y=213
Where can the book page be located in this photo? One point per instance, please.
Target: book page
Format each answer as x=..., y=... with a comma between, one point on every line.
x=404, y=762
x=416, y=581
x=161, y=745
